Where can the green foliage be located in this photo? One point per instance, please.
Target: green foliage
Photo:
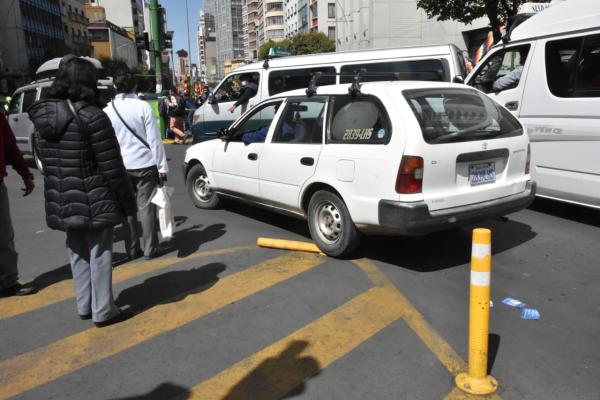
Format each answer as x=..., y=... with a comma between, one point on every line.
x=466, y=11
x=302, y=43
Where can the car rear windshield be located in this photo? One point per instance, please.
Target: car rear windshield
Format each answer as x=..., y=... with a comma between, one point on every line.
x=460, y=115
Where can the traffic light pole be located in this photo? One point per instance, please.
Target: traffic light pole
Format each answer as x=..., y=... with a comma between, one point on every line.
x=187, y=20
x=154, y=32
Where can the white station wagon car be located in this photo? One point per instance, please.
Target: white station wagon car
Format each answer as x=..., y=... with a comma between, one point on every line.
x=403, y=158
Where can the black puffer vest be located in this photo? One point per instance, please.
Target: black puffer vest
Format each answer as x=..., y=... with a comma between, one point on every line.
x=85, y=183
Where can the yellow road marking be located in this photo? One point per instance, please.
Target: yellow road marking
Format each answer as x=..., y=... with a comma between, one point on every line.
x=64, y=290
x=277, y=369
x=415, y=320
x=50, y=362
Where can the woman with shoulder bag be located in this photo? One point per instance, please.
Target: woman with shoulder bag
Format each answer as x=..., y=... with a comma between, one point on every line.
x=144, y=157
x=86, y=187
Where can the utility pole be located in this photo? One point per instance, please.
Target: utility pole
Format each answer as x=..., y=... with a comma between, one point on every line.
x=187, y=20
x=154, y=33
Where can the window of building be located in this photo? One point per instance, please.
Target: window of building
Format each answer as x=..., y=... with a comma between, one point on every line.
x=301, y=122
x=331, y=10
x=331, y=33
x=359, y=120
x=573, y=66
x=418, y=70
x=70, y=9
x=290, y=79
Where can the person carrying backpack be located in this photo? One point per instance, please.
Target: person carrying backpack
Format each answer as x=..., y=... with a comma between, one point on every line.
x=177, y=116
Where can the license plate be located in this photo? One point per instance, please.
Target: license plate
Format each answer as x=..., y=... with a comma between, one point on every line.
x=480, y=174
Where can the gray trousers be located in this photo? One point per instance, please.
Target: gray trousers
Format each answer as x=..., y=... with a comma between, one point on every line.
x=144, y=182
x=9, y=274
x=90, y=252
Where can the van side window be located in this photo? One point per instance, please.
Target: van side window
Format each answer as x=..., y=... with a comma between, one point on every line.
x=502, y=70
x=28, y=99
x=359, y=120
x=301, y=122
x=44, y=92
x=290, y=79
x=573, y=67
x=231, y=88
x=15, y=104
x=416, y=70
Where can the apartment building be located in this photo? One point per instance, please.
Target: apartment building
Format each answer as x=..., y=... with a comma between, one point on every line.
x=207, y=47
x=251, y=29
x=273, y=23
x=75, y=25
x=229, y=31
x=323, y=17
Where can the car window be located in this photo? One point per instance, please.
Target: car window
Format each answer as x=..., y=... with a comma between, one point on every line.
x=259, y=120
x=28, y=99
x=573, y=66
x=301, y=122
x=15, y=104
x=415, y=70
x=359, y=120
x=457, y=115
x=498, y=66
x=44, y=92
x=291, y=79
x=231, y=88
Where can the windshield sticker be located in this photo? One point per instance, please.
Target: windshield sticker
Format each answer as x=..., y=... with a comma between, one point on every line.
x=358, y=134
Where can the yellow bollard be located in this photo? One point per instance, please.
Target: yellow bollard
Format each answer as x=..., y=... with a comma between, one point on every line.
x=288, y=245
x=477, y=381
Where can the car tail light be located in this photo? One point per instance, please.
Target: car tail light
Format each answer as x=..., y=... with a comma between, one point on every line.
x=410, y=175
x=528, y=162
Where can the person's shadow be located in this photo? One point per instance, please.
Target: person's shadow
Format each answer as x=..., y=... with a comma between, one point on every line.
x=277, y=377
x=187, y=241
x=163, y=391
x=170, y=287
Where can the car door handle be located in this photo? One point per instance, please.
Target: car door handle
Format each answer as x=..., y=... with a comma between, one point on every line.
x=253, y=156
x=512, y=105
x=307, y=161
x=16, y=119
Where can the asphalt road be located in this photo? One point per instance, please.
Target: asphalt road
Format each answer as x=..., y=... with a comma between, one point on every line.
x=219, y=318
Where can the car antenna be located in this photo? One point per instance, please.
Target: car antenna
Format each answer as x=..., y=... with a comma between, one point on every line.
x=354, y=89
x=266, y=63
x=312, y=86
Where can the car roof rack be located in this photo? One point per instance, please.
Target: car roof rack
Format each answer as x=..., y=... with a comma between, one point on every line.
x=354, y=88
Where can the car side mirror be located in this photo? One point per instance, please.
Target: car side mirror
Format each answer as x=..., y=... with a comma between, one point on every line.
x=211, y=98
x=224, y=134
x=458, y=79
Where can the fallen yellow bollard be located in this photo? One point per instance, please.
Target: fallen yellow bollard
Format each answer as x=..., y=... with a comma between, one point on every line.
x=288, y=245
x=477, y=381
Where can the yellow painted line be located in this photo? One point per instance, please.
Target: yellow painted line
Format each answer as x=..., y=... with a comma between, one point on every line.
x=64, y=290
x=415, y=320
x=50, y=362
x=279, y=368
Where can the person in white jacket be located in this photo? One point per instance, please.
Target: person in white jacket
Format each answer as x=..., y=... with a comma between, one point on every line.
x=144, y=157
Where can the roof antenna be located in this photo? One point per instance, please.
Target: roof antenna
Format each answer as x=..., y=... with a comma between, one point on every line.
x=354, y=89
x=266, y=63
x=312, y=86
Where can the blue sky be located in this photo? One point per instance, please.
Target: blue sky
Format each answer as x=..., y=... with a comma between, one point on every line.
x=176, y=22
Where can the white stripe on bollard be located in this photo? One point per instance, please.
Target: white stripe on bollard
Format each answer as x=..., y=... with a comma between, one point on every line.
x=480, y=278
x=481, y=250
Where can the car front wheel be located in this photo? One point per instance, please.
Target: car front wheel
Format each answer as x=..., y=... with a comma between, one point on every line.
x=330, y=225
x=199, y=189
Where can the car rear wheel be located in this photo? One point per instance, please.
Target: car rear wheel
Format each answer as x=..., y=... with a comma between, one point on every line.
x=330, y=225
x=198, y=186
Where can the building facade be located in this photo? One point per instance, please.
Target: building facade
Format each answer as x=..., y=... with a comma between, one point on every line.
x=36, y=33
x=75, y=25
x=111, y=41
x=207, y=47
x=273, y=24
x=323, y=17
x=367, y=24
x=229, y=31
x=127, y=14
x=251, y=29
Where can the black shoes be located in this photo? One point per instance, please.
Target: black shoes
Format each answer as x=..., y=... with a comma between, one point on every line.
x=120, y=317
x=17, y=290
x=85, y=316
x=135, y=255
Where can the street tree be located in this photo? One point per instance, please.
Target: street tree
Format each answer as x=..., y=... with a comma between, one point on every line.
x=302, y=43
x=466, y=11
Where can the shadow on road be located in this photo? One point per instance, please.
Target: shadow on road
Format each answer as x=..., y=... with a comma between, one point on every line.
x=442, y=250
x=163, y=391
x=493, y=347
x=170, y=287
x=573, y=212
x=187, y=241
x=278, y=377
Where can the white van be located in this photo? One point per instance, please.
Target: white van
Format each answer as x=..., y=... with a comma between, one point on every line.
x=444, y=63
x=25, y=96
x=557, y=96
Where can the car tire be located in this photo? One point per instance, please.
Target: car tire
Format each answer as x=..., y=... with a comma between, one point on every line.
x=330, y=224
x=36, y=158
x=198, y=187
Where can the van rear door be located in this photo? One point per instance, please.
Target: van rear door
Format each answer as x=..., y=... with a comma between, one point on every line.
x=473, y=150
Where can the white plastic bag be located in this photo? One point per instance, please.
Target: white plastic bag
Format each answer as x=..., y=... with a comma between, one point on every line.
x=162, y=199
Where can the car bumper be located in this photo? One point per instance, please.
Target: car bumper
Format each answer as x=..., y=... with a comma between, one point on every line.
x=184, y=169
x=416, y=219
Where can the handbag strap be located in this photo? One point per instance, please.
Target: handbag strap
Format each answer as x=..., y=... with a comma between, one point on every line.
x=141, y=139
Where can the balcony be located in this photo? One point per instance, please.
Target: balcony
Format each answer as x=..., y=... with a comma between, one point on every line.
x=77, y=18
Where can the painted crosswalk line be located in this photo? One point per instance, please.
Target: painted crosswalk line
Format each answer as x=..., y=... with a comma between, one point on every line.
x=63, y=290
x=32, y=369
x=279, y=368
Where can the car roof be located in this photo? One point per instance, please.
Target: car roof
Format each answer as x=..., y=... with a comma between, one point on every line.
x=374, y=87
x=568, y=16
x=34, y=85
